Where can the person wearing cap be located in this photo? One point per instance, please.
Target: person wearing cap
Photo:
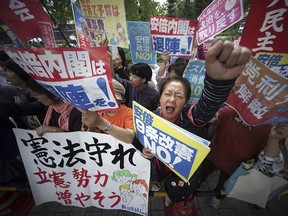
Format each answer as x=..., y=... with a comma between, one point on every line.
x=118, y=123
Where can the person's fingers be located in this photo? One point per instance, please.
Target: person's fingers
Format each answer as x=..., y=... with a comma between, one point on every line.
x=39, y=131
x=226, y=51
x=244, y=56
x=214, y=51
x=281, y=130
x=233, y=57
x=82, y=110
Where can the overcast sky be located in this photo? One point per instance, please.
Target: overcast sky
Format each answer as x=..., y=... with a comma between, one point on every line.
x=161, y=1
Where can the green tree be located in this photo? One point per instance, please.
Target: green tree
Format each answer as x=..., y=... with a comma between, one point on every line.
x=171, y=8
x=141, y=10
x=132, y=10
x=59, y=10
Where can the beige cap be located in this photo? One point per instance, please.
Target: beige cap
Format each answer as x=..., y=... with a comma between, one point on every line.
x=119, y=90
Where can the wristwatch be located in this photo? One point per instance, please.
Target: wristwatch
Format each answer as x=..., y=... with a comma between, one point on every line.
x=108, y=127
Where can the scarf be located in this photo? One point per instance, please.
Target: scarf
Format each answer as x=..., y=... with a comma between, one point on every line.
x=64, y=111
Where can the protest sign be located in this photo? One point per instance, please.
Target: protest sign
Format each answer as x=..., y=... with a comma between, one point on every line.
x=80, y=26
x=140, y=43
x=80, y=76
x=217, y=17
x=106, y=19
x=22, y=18
x=277, y=62
x=85, y=169
x=47, y=34
x=176, y=35
x=266, y=27
x=12, y=36
x=260, y=95
x=177, y=148
x=195, y=73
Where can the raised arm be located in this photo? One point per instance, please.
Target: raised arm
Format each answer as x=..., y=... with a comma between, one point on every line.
x=224, y=63
x=165, y=57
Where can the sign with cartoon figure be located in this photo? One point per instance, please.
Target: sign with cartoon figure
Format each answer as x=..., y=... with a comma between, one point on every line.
x=177, y=148
x=260, y=95
x=85, y=169
x=175, y=35
x=106, y=19
x=80, y=76
x=195, y=73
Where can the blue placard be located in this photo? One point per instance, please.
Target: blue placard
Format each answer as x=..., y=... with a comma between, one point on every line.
x=195, y=73
x=140, y=43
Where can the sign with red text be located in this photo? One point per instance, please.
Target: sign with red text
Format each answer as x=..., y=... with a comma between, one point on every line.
x=106, y=19
x=266, y=27
x=260, y=95
x=22, y=17
x=47, y=34
x=217, y=17
x=85, y=169
x=80, y=76
x=176, y=35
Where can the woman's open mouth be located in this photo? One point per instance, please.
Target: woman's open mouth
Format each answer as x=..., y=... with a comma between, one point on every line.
x=170, y=109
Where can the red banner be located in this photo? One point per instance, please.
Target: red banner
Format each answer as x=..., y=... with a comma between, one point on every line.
x=266, y=27
x=260, y=95
x=80, y=76
x=23, y=17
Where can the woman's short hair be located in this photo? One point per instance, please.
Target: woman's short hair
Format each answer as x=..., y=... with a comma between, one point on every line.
x=142, y=70
x=183, y=81
x=123, y=57
x=178, y=67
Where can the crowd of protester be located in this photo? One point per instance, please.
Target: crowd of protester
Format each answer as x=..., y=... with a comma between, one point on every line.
x=26, y=104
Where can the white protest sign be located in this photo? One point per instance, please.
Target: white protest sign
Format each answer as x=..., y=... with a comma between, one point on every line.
x=85, y=169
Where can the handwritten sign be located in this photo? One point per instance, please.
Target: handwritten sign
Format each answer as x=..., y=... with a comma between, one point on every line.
x=106, y=19
x=85, y=169
x=177, y=148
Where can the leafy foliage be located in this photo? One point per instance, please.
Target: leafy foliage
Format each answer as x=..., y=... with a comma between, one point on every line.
x=141, y=10
x=60, y=11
